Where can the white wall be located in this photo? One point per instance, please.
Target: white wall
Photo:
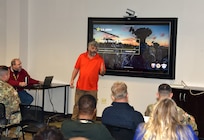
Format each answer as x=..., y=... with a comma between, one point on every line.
x=14, y=30
x=56, y=34
x=2, y=31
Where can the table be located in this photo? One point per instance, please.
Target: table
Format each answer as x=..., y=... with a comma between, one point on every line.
x=54, y=85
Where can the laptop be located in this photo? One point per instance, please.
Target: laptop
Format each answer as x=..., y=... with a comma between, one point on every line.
x=47, y=82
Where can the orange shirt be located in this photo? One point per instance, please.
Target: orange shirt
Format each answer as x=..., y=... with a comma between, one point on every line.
x=89, y=70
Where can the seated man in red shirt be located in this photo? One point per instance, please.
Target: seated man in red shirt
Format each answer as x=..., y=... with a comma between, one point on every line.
x=19, y=78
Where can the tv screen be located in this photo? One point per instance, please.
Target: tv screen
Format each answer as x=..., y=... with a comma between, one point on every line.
x=136, y=47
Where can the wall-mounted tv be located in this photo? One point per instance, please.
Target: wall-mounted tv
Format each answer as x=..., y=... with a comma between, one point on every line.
x=136, y=47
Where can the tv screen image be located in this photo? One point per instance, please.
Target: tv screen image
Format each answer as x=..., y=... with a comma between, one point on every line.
x=139, y=47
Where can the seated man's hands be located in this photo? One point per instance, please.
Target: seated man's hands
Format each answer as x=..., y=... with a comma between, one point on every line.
x=41, y=82
x=22, y=84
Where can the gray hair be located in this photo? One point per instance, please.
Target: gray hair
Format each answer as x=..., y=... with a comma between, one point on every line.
x=119, y=90
x=13, y=61
x=93, y=43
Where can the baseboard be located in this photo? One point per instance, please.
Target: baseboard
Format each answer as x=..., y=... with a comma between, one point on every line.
x=62, y=115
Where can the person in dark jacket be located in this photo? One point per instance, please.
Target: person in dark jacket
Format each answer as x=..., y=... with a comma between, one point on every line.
x=120, y=113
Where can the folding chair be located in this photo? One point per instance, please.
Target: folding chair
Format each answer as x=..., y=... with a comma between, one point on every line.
x=120, y=133
x=3, y=120
x=5, y=123
x=32, y=119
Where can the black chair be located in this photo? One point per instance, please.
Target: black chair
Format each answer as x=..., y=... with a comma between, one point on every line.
x=3, y=120
x=32, y=119
x=5, y=123
x=120, y=133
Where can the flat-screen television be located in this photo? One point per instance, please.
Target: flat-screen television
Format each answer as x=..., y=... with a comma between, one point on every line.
x=136, y=47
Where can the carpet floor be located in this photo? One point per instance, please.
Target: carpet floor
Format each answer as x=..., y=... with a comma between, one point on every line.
x=56, y=121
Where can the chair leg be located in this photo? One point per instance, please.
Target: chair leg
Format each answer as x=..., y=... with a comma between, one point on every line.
x=18, y=131
x=6, y=132
x=23, y=133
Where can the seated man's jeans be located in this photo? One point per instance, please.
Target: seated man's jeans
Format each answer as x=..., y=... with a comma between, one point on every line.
x=25, y=97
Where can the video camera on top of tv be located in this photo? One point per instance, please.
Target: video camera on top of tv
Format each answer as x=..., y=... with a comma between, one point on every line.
x=131, y=14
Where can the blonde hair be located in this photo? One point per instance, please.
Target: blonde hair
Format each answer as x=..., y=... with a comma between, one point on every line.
x=164, y=123
x=119, y=90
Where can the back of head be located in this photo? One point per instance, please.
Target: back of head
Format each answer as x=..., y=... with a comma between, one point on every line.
x=166, y=112
x=87, y=104
x=119, y=90
x=4, y=74
x=164, y=90
x=163, y=121
x=49, y=133
x=3, y=70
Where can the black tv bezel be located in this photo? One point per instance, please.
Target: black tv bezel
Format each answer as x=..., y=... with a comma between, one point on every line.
x=172, y=54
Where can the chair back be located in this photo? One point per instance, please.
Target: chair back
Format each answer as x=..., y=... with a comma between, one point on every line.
x=32, y=113
x=120, y=133
x=2, y=111
x=3, y=120
x=32, y=118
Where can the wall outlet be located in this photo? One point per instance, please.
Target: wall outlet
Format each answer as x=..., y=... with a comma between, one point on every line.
x=103, y=101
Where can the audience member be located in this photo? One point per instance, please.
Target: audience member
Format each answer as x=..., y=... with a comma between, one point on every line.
x=120, y=113
x=85, y=126
x=165, y=91
x=49, y=133
x=164, y=124
x=9, y=97
x=90, y=65
x=19, y=78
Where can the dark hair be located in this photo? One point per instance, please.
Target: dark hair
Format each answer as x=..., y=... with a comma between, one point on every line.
x=3, y=69
x=87, y=104
x=49, y=133
x=164, y=88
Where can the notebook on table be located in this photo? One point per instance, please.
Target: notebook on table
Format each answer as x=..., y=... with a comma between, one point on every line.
x=47, y=82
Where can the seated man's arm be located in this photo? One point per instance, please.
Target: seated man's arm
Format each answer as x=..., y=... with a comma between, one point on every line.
x=14, y=83
x=191, y=120
x=187, y=119
x=31, y=81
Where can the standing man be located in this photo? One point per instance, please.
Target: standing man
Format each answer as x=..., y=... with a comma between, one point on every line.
x=9, y=97
x=89, y=65
x=19, y=79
